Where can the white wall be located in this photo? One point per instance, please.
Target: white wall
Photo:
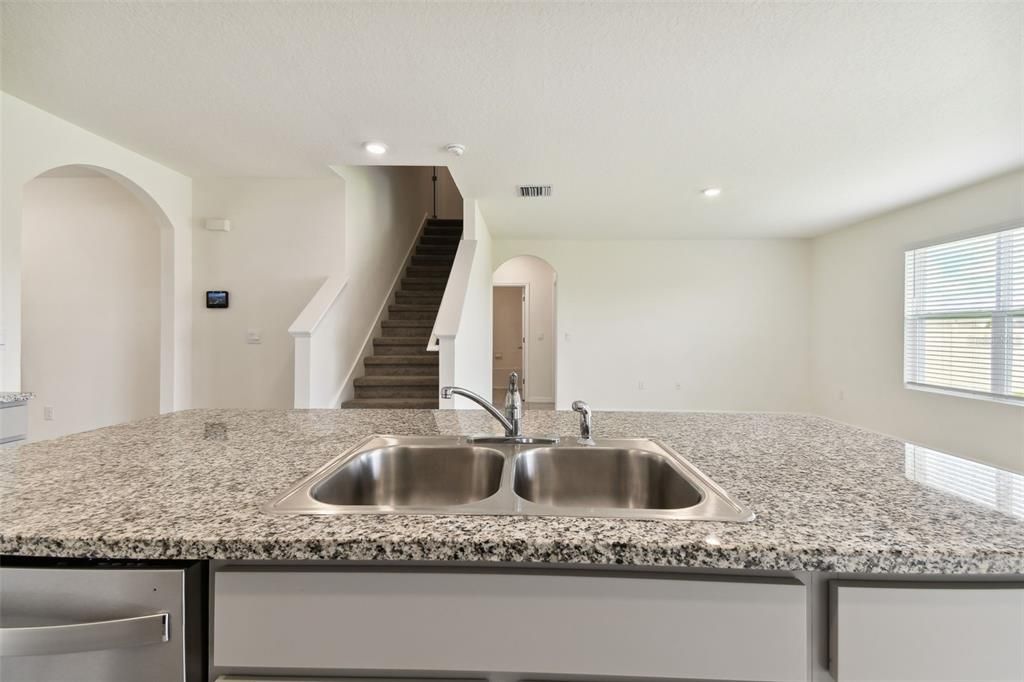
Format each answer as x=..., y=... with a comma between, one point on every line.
x=857, y=284
x=540, y=277
x=704, y=325
x=472, y=353
x=286, y=236
x=35, y=141
x=449, y=199
x=90, y=305
x=384, y=209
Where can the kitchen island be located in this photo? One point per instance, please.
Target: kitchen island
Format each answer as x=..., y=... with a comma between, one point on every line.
x=190, y=485
x=836, y=508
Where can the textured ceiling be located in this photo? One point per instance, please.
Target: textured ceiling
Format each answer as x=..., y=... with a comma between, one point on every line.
x=810, y=116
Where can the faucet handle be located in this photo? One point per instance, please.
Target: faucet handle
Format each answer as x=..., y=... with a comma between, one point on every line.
x=586, y=422
x=513, y=399
x=514, y=404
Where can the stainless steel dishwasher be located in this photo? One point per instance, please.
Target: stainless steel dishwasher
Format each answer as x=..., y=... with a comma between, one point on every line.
x=101, y=621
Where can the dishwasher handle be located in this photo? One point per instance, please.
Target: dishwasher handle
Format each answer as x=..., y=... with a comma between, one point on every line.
x=96, y=636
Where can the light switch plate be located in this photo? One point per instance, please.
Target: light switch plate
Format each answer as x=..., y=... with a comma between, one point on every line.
x=254, y=336
x=217, y=224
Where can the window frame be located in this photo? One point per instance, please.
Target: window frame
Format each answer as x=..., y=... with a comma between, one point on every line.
x=1005, y=316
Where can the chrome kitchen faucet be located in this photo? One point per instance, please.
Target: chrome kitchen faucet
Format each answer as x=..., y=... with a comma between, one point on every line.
x=512, y=420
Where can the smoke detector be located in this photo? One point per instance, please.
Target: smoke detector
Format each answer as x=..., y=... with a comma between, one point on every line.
x=530, y=191
x=456, y=149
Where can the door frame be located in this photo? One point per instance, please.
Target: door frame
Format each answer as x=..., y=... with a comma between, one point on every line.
x=525, y=311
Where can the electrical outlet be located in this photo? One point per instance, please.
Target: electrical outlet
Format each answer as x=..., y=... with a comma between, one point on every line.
x=679, y=386
x=640, y=385
x=47, y=413
x=254, y=336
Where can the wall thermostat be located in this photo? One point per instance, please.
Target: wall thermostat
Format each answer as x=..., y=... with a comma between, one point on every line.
x=216, y=299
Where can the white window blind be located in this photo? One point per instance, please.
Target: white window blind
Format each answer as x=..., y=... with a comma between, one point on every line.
x=964, y=316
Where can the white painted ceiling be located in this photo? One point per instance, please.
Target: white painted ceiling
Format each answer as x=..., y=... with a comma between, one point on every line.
x=811, y=116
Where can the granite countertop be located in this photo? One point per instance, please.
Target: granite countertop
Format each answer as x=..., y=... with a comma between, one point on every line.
x=190, y=485
x=14, y=397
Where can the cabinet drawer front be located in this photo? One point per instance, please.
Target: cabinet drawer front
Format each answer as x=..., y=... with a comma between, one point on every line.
x=13, y=422
x=97, y=602
x=900, y=632
x=511, y=622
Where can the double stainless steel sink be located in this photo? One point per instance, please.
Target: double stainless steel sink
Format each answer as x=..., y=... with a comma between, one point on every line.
x=443, y=475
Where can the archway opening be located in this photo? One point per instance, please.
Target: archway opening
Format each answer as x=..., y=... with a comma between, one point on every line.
x=524, y=330
x=92, y=268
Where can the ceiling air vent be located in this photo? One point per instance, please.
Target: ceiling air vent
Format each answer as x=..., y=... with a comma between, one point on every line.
x=528, y=191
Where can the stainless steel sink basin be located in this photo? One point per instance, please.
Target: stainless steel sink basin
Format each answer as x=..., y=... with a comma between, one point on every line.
x=413, y=476
x=616, y=478
x=444, y=475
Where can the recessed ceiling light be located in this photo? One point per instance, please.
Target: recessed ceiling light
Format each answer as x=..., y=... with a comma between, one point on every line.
x=377, y=148
x=711, y=192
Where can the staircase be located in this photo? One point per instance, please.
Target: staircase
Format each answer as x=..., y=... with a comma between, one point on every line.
x=401, y=373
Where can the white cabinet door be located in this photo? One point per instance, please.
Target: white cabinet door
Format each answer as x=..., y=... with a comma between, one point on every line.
x=523, y=623
x=927, y=632
x=13, y=422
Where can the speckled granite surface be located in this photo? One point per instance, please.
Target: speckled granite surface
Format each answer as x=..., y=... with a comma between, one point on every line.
x=14, y=397
x=190, y=485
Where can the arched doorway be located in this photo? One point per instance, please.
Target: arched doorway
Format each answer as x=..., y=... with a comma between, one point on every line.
x=525, y=329
x=92, y=273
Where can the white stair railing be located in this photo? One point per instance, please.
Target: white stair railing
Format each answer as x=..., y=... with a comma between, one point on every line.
x=316, y=339
x=449, y=314
x=462, y=330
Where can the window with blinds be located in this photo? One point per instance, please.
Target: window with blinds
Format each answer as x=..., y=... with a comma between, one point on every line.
x=964, y=316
